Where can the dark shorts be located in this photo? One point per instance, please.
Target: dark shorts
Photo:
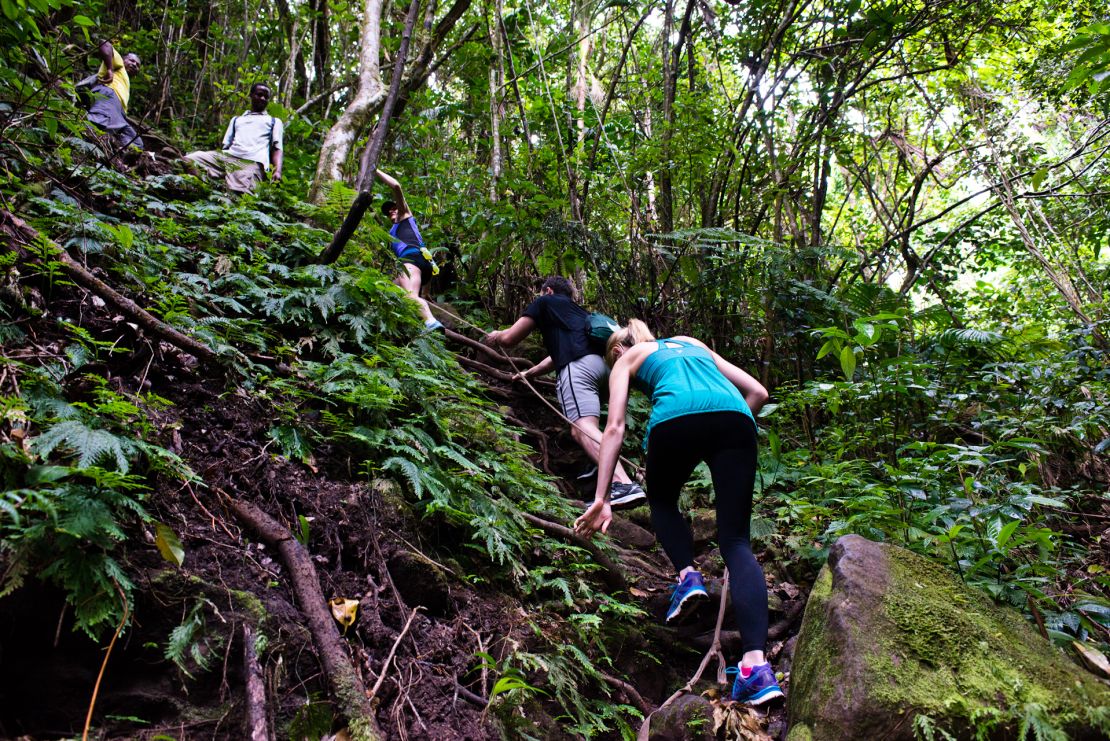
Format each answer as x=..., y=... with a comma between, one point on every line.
x=414, y=257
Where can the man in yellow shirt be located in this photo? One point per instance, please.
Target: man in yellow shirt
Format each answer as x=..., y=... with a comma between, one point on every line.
x=111, y=94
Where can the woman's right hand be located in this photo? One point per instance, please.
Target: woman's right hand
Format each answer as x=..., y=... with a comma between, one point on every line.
x=596, y=518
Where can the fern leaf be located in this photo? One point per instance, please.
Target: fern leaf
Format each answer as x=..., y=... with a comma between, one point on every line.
x=409, y=470
x=89, y=444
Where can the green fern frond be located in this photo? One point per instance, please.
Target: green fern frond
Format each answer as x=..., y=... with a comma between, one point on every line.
x=90, y=445
x=409, y=470
x=1035, y=721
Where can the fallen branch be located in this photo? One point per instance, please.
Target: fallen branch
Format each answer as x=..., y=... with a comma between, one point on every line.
x=614, y=577
x=18, y=229
x=629, y=691
x=346, y=684
x=471, y=697
x=257, y=726
x=488, y=370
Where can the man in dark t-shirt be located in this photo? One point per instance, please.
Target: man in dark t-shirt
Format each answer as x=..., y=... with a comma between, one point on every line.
x=581, y=374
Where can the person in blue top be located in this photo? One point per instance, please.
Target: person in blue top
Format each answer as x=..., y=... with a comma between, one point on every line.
x=417, y=266
x=703, y=409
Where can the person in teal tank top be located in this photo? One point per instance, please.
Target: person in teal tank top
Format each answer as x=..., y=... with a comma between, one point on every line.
x=703, y=409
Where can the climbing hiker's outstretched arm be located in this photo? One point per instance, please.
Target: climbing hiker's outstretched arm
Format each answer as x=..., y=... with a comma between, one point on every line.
x=544, y=366
x=403, y=211
x=107, y=55
x=600, y=513
x=512, y=336
x=753, y=391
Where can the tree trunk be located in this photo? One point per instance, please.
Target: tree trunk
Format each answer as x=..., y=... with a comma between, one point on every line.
x=496, y=81
x=321, y=47
x=369, y=94
x=665, y=202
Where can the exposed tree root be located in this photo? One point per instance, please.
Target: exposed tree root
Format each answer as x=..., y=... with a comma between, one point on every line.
x=258, y=728
x=614, y=577
x=21, y=232
x=346, y=685
x=486, y=350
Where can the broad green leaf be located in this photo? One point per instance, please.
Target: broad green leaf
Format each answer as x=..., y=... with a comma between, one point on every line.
x=125, y=235
x=832, y=345
x=848, y=362
x=169, y=545
x=1006, y=533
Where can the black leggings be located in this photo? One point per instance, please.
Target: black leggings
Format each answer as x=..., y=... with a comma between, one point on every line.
x=726, y=441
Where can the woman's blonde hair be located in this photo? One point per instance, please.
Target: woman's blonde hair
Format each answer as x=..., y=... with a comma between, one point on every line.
x=636, y=331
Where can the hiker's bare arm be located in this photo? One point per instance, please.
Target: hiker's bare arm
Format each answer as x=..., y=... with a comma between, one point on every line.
x=277, y=158
x=403, y=210
x=544, y=366
x=107, y=55
x=512, y=336
x=753, y=391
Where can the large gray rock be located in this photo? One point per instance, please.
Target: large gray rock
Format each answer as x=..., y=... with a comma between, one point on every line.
x=891, y=642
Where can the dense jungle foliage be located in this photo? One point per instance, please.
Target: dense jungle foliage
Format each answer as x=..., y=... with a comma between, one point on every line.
x=895, y=214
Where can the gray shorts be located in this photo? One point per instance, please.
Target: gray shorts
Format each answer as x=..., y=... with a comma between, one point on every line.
x=580, y=385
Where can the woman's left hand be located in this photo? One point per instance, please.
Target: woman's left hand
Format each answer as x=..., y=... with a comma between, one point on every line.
x=597, y=517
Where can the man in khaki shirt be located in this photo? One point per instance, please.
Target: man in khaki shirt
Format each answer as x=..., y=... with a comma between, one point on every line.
x=111, y=94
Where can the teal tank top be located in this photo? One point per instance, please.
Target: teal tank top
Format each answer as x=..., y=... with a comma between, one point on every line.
x=684, y=380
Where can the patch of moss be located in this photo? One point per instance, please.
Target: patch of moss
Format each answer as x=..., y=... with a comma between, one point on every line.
x=952, y=655
x=799, y=732
x=252, y=604
x=815, y=667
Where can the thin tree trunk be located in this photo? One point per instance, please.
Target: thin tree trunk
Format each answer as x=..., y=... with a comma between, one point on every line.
x=496, y=77
x=665, y=202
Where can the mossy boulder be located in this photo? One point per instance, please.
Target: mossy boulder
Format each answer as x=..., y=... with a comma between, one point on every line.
x=892, y=645
x=689, y=718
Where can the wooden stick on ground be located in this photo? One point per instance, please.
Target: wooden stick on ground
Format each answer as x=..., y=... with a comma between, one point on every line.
x=385, y=667
x=714, y=650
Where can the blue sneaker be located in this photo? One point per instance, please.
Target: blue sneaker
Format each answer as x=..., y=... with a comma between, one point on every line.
x=687, y=594
x=758, y=688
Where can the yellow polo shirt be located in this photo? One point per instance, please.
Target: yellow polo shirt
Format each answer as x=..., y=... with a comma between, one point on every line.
x=121, y=82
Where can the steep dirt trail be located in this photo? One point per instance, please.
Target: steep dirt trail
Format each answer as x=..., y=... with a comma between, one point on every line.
x=648, y=571
x=366, y=543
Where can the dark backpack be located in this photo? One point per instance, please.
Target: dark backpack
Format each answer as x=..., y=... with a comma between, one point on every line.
x=598, y=331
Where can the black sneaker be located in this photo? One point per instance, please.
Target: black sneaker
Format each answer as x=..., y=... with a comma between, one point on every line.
x=626, y=496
